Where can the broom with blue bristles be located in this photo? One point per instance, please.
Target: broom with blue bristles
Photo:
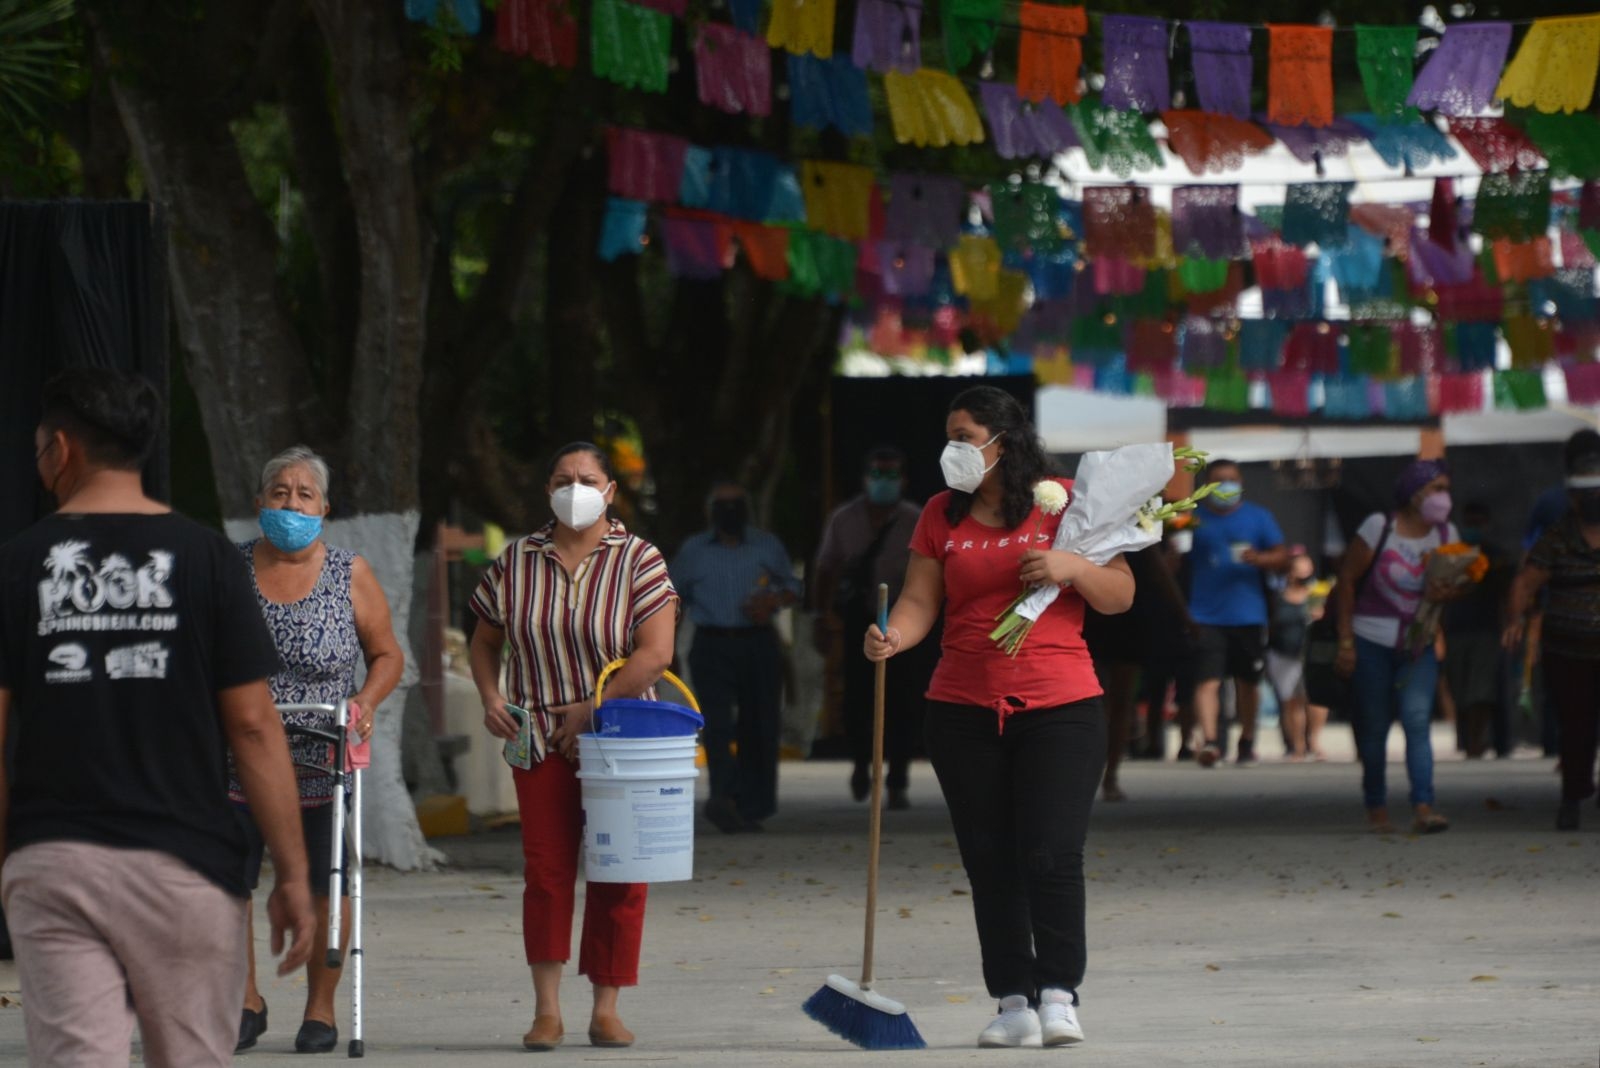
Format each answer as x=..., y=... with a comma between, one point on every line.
x=854, y=1011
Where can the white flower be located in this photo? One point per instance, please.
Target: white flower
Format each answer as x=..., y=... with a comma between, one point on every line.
x=1050, y=496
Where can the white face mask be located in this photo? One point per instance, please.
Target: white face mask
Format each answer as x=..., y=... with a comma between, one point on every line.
x=962, y=464
x=578, y=506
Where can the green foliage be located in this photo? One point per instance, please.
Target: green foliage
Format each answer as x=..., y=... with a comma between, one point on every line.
x=34, y=53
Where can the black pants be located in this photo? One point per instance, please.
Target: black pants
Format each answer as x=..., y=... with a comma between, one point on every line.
x=904, y=685
x=738, y=678
x=1020, y=803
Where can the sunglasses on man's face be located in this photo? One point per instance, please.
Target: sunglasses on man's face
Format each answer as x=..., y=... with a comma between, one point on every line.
x=884, y=472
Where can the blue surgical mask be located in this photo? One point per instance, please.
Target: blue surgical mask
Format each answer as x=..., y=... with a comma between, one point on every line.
x=289, y=531
x=883, y=490
x=1227, y=495
x=1472, y=535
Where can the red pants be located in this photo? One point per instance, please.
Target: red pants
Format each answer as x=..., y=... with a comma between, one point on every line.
x=548, y=799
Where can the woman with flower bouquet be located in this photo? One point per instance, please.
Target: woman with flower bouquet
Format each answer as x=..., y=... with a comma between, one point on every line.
x=1017, y=741
x=1388, y=597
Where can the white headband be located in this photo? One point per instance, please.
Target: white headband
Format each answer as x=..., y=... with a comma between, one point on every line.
x=1583, y=482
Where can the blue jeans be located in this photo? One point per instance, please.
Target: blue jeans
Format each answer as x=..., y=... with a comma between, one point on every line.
x=1390, y=681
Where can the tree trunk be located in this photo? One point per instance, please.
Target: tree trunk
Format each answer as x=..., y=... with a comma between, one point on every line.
x=248, y=367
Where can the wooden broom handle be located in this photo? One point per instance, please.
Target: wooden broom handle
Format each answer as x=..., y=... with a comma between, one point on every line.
x=875, y=817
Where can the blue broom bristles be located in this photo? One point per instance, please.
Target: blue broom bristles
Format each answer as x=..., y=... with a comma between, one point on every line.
x=861, y=1017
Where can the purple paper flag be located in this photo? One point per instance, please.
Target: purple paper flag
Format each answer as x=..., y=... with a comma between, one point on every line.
x=925, y=209
x=1461, y=76
x=1205, y=218
x=1220, y=52
x=1431, y=265
x=1203, y=345
x=1136, y=63
x=1306, y=143
x=907, y=270
x=1021, y=129
x=888, y=35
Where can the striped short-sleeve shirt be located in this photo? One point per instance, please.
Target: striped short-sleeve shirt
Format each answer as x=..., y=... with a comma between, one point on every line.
x=564, y=628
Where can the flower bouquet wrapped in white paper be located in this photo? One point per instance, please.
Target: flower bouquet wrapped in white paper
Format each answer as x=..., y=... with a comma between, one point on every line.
x=1115, y=508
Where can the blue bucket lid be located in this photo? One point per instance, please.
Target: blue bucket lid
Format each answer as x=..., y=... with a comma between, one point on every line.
x=626, y=716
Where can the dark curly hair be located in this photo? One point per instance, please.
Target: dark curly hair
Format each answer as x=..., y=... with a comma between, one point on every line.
x=1023, y=463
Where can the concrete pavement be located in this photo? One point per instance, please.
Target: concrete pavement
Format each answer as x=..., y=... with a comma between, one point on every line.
x=1237, y=917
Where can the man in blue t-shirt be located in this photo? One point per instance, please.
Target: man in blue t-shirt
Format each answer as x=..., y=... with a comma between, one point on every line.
x=1234, y=543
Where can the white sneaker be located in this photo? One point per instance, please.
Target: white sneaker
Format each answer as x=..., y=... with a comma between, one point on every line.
x=1058, y=1018
x=1017, y=1025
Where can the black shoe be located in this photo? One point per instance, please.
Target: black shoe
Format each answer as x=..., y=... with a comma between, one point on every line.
x=252, y=1025
x=860, y=783
x=724, y=814
x=898, y=801
x=1567, y=816
x=316, y=1037
x=1185, y=753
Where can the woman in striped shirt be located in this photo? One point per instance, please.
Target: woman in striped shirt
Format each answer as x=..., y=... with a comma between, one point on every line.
x=568, y=599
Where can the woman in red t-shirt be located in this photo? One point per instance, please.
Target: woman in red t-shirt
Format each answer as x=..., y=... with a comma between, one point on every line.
x=1018, y=743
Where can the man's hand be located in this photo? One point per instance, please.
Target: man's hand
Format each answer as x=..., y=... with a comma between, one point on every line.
x=289, y=912
x=1345, y=662
x=760, y=607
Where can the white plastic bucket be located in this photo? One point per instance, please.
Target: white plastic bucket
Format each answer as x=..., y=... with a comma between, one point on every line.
x=638, y=808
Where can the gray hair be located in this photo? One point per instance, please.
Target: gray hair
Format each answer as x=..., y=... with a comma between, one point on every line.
x=296, y=456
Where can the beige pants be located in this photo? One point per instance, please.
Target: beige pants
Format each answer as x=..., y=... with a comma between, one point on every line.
x=104, y=936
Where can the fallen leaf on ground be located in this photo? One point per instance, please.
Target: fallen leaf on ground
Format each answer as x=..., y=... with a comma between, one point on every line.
x=1391, y=915
x=1485, y=979
x=1446, y=897
x=766, y=991
x=1536, y=849
x=957, y=999
x=1427, y=1038
x=1493, y=804
x=905, y=914
x=959, y=892
x=1213, y=967
x=704, y=918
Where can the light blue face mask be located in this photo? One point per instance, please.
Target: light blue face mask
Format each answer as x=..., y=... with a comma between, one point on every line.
x=289, y=531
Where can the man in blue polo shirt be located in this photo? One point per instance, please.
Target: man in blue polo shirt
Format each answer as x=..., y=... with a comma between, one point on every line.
x=1235, y=542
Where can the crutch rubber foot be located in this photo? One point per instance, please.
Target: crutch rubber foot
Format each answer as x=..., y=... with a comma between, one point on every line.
x=334, y=958
x=358, y=1048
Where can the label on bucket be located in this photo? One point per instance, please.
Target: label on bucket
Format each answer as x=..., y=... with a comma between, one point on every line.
x=641, y=832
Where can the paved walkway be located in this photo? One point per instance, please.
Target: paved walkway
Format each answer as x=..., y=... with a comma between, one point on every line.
x=1238, y=917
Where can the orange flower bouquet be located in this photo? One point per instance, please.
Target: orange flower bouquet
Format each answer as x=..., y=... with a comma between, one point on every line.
x=1453, y=565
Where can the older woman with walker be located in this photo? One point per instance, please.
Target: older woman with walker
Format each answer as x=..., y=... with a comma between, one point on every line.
x=326, y=613
x=1018, y=742
x=570, y=598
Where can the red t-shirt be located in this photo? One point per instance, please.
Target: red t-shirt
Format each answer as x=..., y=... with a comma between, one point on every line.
x=980, y=565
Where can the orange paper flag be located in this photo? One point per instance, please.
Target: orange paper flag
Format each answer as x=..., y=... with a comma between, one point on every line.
x=1051, y=52
x=1300, y=75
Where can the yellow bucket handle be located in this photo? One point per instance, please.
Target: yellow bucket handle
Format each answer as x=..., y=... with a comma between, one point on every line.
x=612, y=668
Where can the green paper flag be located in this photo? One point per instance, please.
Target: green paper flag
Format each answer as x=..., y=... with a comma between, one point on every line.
x=1025, y=216
x=1371, y=349
x=1516, y=206
x=1120, y=141
x=1520, y=390
x=1570, y=142
x=969, y=29
x=630, y=45
x=821, y=264
x=1227, y=391
x=1200, y=275
x=1385, y=55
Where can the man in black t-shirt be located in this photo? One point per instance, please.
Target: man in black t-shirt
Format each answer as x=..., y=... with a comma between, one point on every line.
x=132, y=656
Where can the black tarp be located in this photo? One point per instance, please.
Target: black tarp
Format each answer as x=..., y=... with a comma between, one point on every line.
x=81, y=284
